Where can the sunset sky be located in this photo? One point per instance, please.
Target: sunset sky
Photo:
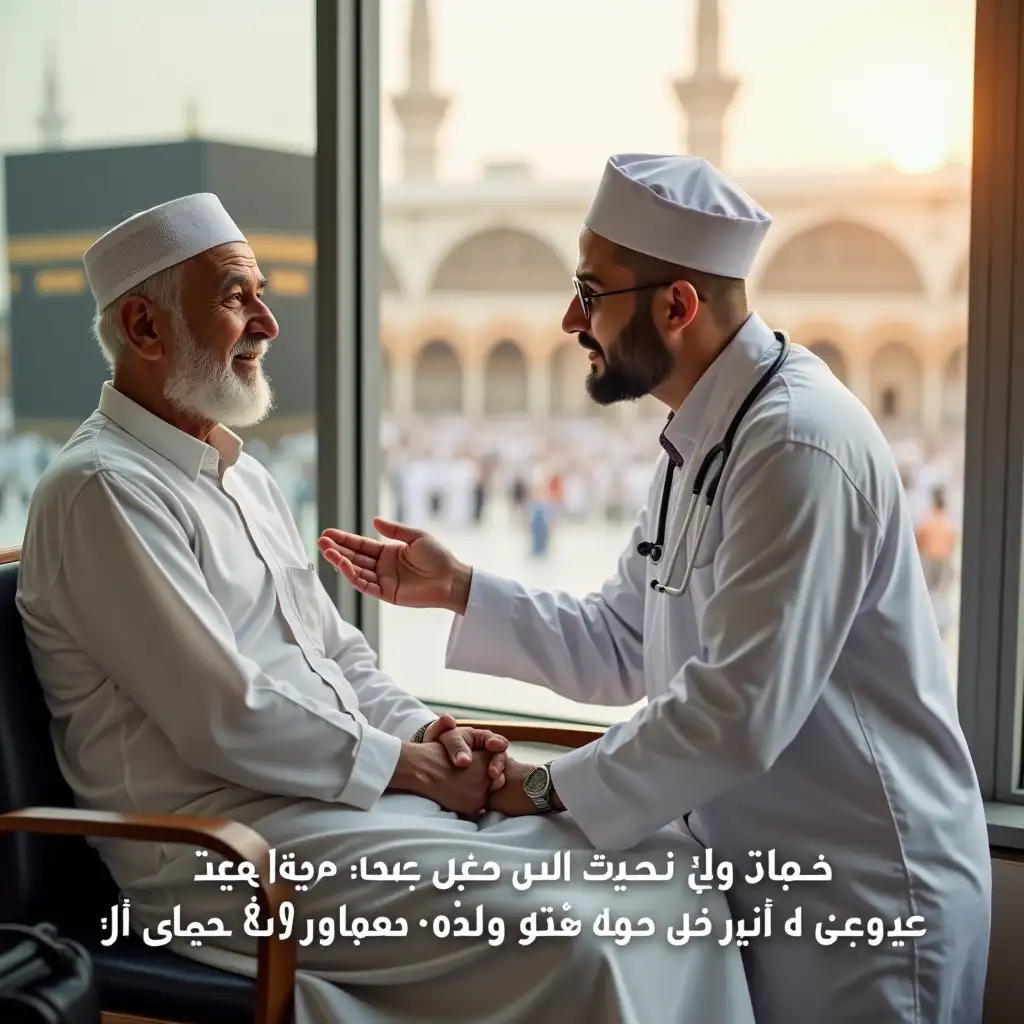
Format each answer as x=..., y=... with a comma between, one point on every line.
x=826, y=84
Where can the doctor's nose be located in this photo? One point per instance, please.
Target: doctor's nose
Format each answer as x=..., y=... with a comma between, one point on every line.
x=574, y=321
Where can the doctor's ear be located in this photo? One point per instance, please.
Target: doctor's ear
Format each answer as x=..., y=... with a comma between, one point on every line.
x=683, y=303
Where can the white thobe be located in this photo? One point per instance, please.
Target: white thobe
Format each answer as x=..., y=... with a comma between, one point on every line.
x=193, y=663
x=798, y=698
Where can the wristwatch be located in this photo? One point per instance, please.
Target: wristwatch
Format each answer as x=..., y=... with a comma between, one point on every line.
x=539, y=788
x=421, y=732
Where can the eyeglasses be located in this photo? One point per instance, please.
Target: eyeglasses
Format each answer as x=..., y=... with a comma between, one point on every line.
x=586, y=296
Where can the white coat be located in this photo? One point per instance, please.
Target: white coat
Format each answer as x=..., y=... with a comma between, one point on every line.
x=798, y=700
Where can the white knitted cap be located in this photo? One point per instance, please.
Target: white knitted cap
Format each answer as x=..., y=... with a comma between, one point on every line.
x=680, y=209
x=154, y=240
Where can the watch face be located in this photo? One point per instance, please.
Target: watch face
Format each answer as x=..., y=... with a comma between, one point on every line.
x=537, y=783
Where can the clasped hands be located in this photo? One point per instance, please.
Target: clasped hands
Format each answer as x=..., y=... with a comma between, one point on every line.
x=465, y=770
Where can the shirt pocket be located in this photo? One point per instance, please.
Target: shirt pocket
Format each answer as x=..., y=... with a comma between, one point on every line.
x=702, y=581
x=307, y=615
x=712, y=539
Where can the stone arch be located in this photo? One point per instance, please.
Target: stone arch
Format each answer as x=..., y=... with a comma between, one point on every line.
x=437, y=379
x=502, y=260
x=962, y=276
x=954, y=388
x=568, y=370
x=896, y=384
x=841, y=257
x=506, y=380
x=832, y=355
x=389, y=283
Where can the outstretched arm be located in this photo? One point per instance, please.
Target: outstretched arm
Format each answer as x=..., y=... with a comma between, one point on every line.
x=588, y=649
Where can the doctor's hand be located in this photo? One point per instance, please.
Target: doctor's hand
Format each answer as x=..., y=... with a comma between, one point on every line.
x=408, y=568
x=461, y=740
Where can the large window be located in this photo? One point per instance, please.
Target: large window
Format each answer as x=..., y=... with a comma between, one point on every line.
x=413, y=176
x=851, y=126
x=87, y=137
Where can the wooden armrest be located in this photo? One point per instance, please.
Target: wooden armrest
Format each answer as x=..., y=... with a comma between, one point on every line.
x=10, y=555
x=557, y=735
x=275, y=978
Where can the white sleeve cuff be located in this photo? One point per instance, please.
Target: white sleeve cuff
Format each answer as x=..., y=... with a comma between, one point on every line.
x=374, y=766
x=601, y=816
x=406, y=726
x=412, y=724
x=477, y=637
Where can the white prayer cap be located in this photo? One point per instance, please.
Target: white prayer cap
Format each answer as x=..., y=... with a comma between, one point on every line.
x=154, y=240
x=679, y=209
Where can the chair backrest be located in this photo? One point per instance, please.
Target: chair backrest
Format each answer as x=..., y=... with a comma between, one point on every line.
x=41, y=877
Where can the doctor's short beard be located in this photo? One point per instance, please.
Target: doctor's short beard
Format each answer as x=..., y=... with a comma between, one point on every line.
x=637, y=363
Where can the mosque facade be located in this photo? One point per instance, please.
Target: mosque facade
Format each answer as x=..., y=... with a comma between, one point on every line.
x=869, y=270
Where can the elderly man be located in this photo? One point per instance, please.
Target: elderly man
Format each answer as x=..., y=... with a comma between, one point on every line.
x=193, y=663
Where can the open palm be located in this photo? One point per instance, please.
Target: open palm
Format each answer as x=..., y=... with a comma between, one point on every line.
x=408, y=568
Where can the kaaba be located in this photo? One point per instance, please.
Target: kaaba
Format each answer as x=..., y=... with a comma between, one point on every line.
x=60, y=201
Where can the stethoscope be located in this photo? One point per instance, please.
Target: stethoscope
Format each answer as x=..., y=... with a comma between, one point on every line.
x=654, y=549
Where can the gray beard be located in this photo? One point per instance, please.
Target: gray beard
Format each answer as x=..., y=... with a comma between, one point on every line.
x=201, y=386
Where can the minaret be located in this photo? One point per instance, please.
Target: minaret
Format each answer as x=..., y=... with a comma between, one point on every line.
x=419, y=109
x=707, y=95
x=51, y=120
x=192, y=129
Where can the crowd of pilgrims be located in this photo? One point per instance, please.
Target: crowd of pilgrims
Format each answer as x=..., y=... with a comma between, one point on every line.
x=457, y=473
x=554, y=474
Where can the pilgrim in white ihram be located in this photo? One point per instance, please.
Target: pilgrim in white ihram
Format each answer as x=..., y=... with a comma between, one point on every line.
x=797, y=697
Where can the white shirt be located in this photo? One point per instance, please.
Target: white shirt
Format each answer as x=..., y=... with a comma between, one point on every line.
x=189, y=654
x=798, y=695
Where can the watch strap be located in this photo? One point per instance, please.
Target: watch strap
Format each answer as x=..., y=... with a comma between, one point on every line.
x=543, y=802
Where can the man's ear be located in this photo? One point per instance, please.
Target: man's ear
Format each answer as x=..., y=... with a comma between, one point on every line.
x=136, y=317
x=682, y=305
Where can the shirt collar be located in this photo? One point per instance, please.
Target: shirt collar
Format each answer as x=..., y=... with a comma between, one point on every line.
x=716, y=389
x=188, y=453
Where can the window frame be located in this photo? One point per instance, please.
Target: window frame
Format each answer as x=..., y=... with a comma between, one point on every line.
x=348, y=365
x=990, y=689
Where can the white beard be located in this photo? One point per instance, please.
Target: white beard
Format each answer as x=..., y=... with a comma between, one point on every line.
x=200, y=385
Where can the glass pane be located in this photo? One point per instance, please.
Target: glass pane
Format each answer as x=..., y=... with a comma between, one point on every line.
x=87, y=142
x=849, y=121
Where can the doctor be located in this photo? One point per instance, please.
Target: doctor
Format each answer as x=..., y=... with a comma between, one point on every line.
x=798, y=704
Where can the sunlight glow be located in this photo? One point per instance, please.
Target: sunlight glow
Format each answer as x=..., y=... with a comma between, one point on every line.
x=903, y=111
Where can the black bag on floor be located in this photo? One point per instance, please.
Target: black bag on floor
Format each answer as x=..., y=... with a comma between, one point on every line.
x=45, y=979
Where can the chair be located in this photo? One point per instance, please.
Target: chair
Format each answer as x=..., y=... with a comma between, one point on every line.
x=51, y=873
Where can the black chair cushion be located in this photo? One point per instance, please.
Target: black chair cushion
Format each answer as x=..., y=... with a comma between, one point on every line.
x=38, y=885
x=137, y=979
x=62, y=879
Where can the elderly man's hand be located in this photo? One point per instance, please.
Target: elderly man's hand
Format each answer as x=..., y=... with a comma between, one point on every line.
x=426, y=770
x=461, y=740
